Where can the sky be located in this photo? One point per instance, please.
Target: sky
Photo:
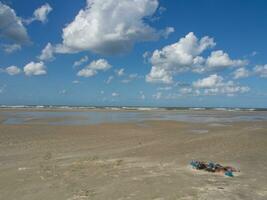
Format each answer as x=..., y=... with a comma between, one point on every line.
x=206, y=53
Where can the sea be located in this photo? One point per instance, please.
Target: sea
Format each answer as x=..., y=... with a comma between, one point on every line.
x=85, y=115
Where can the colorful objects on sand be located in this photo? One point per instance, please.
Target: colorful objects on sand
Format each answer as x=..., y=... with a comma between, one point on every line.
x=213, y=167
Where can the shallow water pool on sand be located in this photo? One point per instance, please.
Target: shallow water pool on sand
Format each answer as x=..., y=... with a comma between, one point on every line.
x=96, y=117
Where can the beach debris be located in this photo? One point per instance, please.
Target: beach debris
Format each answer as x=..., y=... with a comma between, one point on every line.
x=213, y=167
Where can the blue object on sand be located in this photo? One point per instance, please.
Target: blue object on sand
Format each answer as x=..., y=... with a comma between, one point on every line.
x=229, y=173
x=213, y=167
x=194, y=164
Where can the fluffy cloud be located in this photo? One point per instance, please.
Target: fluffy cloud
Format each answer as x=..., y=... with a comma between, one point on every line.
x=229, y=89
x=241, y=73
x=40, y=14
x=261, y=70
x=100, y=64
x=178, y=57
x=209, y=82
x=12, y=70
x=86, y=72
x=93, y=68
x=185, y=55
x=10, y=48
x=35, y=69
x=159, y=75
x=80, y=62
x=47, y=53
x=215, y=85
x=110, y=27
x=11, y=26
x=219, y=59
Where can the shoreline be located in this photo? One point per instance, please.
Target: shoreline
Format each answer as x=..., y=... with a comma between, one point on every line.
x=27, y=109
x=99, y=116
x=131, y=108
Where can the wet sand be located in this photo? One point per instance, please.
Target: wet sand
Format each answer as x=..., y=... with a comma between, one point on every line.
x=147, y=160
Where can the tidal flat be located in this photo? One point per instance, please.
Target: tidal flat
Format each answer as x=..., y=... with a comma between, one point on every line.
x=139, y=159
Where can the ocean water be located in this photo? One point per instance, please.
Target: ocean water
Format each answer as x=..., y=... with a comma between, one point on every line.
x=85, y=117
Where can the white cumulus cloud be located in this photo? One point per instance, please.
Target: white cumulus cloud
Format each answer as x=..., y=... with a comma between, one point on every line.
x=219, y=59
x=93, y=68
x=87, y=72
x=209, y=82
x=80, y=62
x=35, y=69
x=100, y=64
x=215, y=85
x=241, y=73
x=13, y=70
x=11, y=26
x=177, y=57
x=47, y=53
x=111, y=27
x=261, y=70
x=41, y=14
x=186, y=55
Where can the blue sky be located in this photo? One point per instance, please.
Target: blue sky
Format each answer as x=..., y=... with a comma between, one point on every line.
x=143, y=52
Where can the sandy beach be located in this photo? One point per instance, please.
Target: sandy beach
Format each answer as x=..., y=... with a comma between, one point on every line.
x=134, y=160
